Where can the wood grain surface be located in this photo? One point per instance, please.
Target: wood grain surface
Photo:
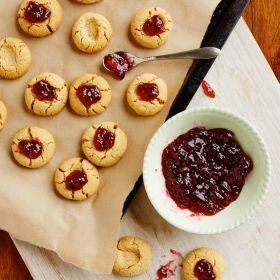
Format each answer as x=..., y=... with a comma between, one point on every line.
x=263, y=19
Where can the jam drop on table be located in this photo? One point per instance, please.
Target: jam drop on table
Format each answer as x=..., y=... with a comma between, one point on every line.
x=44, y=91
x=166, y=271
x=203, y=270
x=36, y=13
x=30, y=148
x=103, y=139
x=76, y=180
x=205, y=170
x=147, y=91
x=88, y=95
x=154, y=26
x=207, y=89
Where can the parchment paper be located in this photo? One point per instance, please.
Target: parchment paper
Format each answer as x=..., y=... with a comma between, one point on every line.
x=85, y=234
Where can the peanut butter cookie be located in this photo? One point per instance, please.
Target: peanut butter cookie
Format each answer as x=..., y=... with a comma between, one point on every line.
x=88, y=1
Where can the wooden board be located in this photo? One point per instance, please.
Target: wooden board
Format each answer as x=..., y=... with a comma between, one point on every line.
x=245, y=84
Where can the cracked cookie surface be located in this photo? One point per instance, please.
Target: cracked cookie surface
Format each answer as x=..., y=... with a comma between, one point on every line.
x=46, y=94
x=147, y=94
x=91, y=32
x=207, y=257
x=76, y=179
x=15, y=58
x=33, y=147
x=88, y=1
x=134, y=256
x=89, y=95
x=3, y=114
x=104, y=144
x=144, y=30
x=39, y=18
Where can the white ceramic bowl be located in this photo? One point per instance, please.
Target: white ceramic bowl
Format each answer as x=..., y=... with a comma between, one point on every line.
x=252, y=194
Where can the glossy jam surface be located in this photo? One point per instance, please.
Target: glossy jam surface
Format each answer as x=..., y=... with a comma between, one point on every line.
x=44, y=91
x=36, y=13
x=88, y=95
x=205, y=170
x=103, y=139
x=118, y=64
x=203, y=270
x=154, y=26
x=166, y=271
x=207, y=89
x=147, y=91
x=76, y=180
x=32, y=149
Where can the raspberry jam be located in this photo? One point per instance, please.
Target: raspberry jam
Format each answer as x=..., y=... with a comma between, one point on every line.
x=203, y=270
x=166, y=271
x=76, y=180
x=32, y=149
x=207, y=89
x=147, y=91
x=103, y=139
x=205, y=170
x=118, y=64
x=36, y=13
x=44, y=91
x=88, y=95
x=154, y=26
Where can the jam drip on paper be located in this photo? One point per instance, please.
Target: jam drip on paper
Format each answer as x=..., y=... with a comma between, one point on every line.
x=147, y=91
x=103, y=139
x=36, y=13
x=76, y=180
x=154, y=26
x=32, y=149
x=44, y=91
x=88, y=95
x=207, y=89
x=203, y=270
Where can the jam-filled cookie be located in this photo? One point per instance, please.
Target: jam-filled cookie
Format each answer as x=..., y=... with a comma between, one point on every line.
x=46, y=94
x=91, y=32
x=88, y=1
x=15, y=58
x=33, y=147
x=203, y=263
x=151, y=27
x=89, y=95
x=134, y=256
x=147, y=94
x=39, y=18
x=3, y=114
x=76, y=179
x=104, y=144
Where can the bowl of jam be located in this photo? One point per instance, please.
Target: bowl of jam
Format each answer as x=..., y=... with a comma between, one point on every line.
x=206, y=170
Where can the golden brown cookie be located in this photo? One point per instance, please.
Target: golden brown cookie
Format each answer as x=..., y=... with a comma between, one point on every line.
x=134, y=256
x=89, y=95
x=203, y=263
x=39, y=18
x=3, y=114
x=91, y=32
x=46, y=94
x=33, y=147
x=104, y=144
x=15, y=58
x=151, y=27
x=147, y=94
x=76, y=179
x=88, y=1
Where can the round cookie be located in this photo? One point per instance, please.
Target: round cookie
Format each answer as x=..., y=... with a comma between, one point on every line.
x=15, y=58
x=104, y=144
x=147, y=94
x=39, y=18
x=3, y=115
x=88, y=1
x=151, y=27
x=134, y=256
x=76, y=179
x=203, y=262
x=46, y=94
x=33, y=147
x=91, y=32
x=89, y=95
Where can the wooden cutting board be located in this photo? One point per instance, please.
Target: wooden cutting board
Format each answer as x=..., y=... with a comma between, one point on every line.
x=245, y=84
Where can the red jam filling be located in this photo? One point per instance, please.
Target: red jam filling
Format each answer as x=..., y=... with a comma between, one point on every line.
x=166, y=271
x=76, y=180
x=154, y=26
x=207, y=89
x=88, y=95
x=203, y=270
x=118, y=64
x=30, y=148
x=147, y=91
x=36, y=13
x=103, y=139
x=44, y=91
x=205, y=170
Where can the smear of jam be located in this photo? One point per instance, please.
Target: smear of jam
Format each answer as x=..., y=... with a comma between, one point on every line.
x=44, y=91
x=36, y=13
x=147, y=91
x=207, y=89
x=32, y=149
x=177, y=254
x=166, y=271
x=76, y=180
x=203, y=270
x=154, y=26
x=88, y=95
x=205, y=170
x=103, y=139
x=118, y=64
